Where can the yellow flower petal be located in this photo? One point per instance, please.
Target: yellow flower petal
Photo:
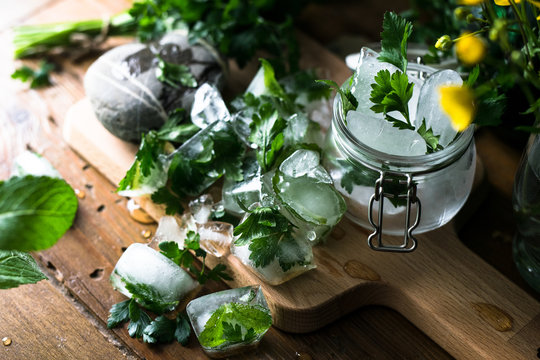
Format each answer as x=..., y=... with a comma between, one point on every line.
x=470, y=49
x=470, y=2
x=458, y=103
x=505, y=2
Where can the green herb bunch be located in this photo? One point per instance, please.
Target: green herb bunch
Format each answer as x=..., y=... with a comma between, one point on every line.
x=237, y=29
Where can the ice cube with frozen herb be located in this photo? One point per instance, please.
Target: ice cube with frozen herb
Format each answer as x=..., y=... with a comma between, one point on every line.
x=307, y=196
x=152, y=279
x=266, y=244
x=204, y=158
x=230, y=321
x=238, y=196
x=208, y=106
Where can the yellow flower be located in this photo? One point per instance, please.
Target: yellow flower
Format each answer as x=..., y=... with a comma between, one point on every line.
x=470, y=49
x=505, y=2
x=458, y=103
x=471, y=2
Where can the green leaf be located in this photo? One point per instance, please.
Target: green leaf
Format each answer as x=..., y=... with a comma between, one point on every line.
x=38, y=78
x=148, y=297
x=270, y=81
x=183, y=329
x=118, y=314
x=395, y=34
x=267, y=133
x=348, y=100
x=177, y=128
x=18, y=268
x=175, y=75
x=35, y=212
x=392, y=92
x=234, y=323
x=213, y=152
x=160, y=330
x=139, y=320
x=473, y=76
x=172, y=202
x=432, y=140
x=267, y=232
x=147, y=173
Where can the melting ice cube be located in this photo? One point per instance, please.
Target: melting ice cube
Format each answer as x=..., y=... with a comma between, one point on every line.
x=141, y=265
x=429, y=106
x=235, y=307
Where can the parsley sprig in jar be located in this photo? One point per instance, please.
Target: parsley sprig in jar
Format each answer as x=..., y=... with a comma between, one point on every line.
x=391, y=150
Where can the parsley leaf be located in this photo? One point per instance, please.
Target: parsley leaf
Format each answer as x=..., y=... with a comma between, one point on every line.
x=233, y=323
x=118, y=314
x=139, y=320
x=432, y=140
x=185, y=258
x=147, y=171
x=160, y=330
x=267, y=133
x=183, y=329
x=392, y=93
x=348, y=100
x=268, y=234
x=202, y=160
x=177, y=127
x=175, y=75
x=148, y=297
x=18, y=268
x=172, y=202
x=38, y=78
x=395, y=34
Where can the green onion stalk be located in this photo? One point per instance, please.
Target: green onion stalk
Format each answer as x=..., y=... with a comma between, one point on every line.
x=31, y=40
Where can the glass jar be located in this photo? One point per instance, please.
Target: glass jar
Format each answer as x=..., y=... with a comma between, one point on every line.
x=418, y=193
x=526, y=205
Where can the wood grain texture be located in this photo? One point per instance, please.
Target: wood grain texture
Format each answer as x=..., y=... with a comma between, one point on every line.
x=436, y=287
x=98, y=237
x=42, y=324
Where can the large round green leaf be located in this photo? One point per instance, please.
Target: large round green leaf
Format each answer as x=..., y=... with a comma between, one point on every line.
x=34, y=212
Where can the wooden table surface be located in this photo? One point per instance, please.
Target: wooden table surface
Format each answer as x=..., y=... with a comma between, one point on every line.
x=65, y=317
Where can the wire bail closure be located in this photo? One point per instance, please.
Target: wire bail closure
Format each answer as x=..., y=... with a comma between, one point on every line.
x=409, y=241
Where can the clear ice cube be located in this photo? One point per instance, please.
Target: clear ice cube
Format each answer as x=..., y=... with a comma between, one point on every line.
x=142, y=265
x=430, y=108
x=381, y=135
x=305, y=162
x=273, y=273
x=208, y=106
x=200, y=310
x=201, y=208
x=300, y=129
x=239, y=195
x=215, y=237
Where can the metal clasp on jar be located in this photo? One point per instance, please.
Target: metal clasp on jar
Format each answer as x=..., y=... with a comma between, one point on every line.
x=409, y=241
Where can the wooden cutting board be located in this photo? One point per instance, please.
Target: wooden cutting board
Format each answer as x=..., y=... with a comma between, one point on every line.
x=451, y=294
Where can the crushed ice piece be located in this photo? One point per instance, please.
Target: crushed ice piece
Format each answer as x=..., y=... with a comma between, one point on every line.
x=201, y=208
x=215, y=237
x=208, y=106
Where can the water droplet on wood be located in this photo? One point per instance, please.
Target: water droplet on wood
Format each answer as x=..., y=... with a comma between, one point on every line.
x=6, y=341
x=137, y=213
x=494, y=316
x=358, y=270
x=80, y=194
